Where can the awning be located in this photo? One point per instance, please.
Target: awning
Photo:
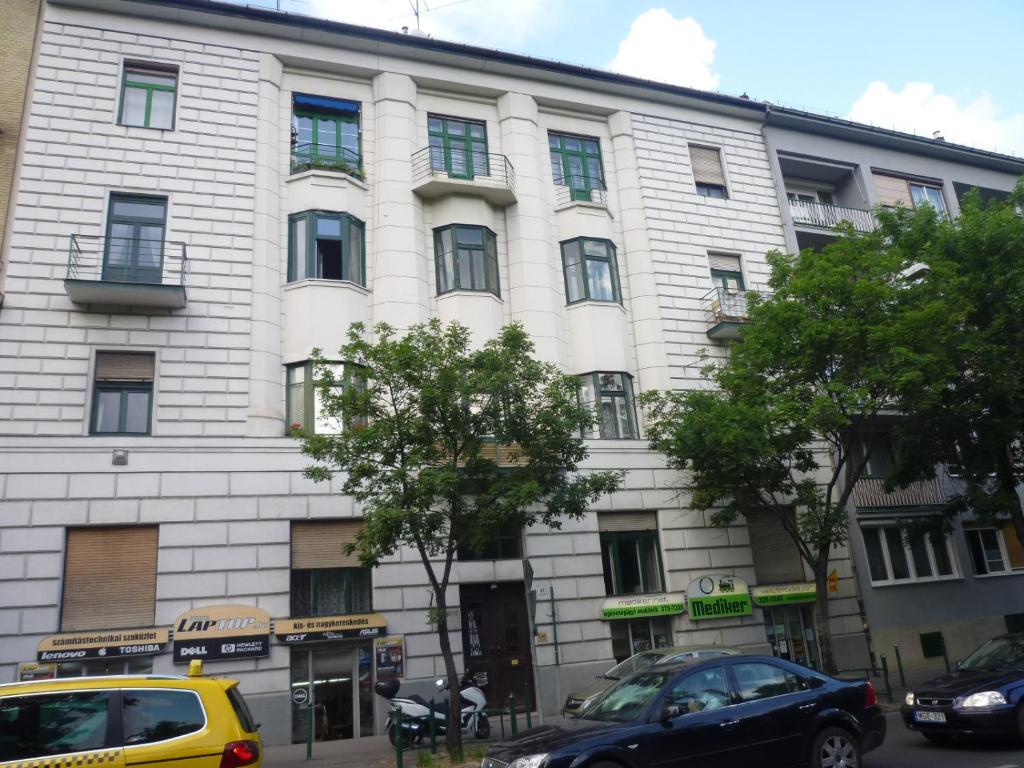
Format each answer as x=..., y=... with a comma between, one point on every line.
x=325, y=104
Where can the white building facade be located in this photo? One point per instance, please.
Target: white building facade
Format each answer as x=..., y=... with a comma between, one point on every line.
x=207, y=193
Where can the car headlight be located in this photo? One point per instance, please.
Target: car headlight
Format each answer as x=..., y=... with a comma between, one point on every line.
x=530, y=761
x=983, y=699
x=909, y=701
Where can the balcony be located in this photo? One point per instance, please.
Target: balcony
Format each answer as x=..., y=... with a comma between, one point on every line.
x=870, y=493
x=310, y=157
x=827, y=216
x=580, y=189
x=122, y=271
x=725, y=311
x=488, y=175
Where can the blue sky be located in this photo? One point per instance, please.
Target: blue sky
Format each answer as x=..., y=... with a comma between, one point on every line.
x=906, y=64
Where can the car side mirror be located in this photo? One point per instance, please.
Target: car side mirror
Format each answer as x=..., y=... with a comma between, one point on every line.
x=959, y=665
x=669, y=712
x=440, y=683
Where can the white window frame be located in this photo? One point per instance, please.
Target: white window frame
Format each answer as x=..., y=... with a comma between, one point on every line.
x=881, y=526
x=937, y=188
x=1008, y=569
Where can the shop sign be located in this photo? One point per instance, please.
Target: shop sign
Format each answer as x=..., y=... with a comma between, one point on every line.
x=35, y=670
x=642, y=606
x=785, y=594
x=103, y=644
x=221, y=632
x=389, y=655
x=833, y=582
x=319, y=628
x=718, y=597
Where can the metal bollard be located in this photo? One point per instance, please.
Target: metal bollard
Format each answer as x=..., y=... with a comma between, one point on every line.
x=899, y=666
x=945, y=654
x=398, y=737
x=433, y=729
x=512, y=711
x=885, y=677
x=526, y=698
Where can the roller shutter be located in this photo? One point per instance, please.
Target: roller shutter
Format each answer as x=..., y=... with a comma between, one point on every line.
x=707, y=166
x=109, y=578
x=322, y=544
x=608, y=522
x=892, y=190
x=776, y=557
x=124, y=366
x=724, y=262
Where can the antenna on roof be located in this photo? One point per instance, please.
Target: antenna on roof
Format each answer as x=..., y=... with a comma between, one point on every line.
x=416, y=11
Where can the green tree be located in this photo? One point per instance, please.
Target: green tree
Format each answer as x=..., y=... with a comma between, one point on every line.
x=421, y=420
x=974, y=419
x=840, y=342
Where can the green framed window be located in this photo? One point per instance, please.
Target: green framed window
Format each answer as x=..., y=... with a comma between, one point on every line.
x=304, y=408
x=590, y=270
x=122, y=400
x=632, y=562
x=326, y=245
x=576, y=163
x=330, y=591
x=458, y=147
x=133, y=251
x=507, y=544
x=326, y=134
x=148, y=94
x=466, y=259
x=610, y=395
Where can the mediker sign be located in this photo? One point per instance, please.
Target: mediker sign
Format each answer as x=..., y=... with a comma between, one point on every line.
x=103, y=644
x=719, y=596
x=642, y=606
x=221, y=632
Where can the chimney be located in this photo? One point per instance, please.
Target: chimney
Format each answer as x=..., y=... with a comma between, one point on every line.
x=937, y=135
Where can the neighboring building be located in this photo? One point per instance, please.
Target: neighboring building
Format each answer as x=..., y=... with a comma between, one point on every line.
x=17, y=53
x=919, y=593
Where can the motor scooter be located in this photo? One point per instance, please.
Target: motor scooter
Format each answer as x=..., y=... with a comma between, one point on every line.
x=416, y=711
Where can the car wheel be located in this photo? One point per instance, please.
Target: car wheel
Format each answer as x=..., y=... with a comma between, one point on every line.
x=406, y=737
x=835, y=748
x=938, y=738
x=483, y=727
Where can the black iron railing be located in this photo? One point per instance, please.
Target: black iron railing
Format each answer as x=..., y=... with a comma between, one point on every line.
x=721, y=305
x=307, y=156
x=569, y=189
x=487, y=168
x=829, y=216
x=127, y=260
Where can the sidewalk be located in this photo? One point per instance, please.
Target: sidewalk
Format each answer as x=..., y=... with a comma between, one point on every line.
x=369, y=752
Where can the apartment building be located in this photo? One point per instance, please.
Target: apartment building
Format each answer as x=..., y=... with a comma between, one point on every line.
x=934, y=599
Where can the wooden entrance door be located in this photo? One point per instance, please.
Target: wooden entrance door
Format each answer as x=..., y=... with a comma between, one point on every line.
x=496, y=641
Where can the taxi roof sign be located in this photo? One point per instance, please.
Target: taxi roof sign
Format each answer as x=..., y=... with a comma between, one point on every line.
x=195, y=668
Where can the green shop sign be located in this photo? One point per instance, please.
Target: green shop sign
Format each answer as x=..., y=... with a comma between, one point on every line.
x=718, y=596
x=785, y=594
x=642, y=606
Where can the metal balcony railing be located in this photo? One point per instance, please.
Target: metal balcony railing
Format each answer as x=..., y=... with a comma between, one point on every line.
x=722, y=305
x=127, y=260
x=570, y=189
x=488, y=168
x=829, y=216
x=307, y=156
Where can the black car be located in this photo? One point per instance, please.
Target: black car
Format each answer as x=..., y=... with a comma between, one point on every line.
x=984, y=696
x=710, y=713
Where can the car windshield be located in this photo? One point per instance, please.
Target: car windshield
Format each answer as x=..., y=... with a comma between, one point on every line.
x=625, y=700
x=996, y=654
x=637, y=663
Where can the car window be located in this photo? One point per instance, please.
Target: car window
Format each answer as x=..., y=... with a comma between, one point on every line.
x=700, y=691
x=52, y=724
x=634, y=663
x=242, y=710
x=625, y=700
x=756, y=680
x=998, y=653
x=157, y=714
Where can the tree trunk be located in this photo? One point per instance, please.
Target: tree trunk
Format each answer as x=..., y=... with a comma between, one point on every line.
x=454, y=736
x=821, y=613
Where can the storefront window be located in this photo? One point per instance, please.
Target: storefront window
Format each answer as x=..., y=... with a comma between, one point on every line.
x=138, y=665
x=340, y=710
x=636, y=635
x=792, y=635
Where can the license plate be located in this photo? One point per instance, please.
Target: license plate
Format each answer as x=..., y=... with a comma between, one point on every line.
x=930, y=717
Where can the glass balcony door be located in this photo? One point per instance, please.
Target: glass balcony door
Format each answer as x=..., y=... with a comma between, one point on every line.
x=458, y=147
x=134, y=248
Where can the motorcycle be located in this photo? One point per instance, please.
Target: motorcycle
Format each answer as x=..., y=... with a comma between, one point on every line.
x=416, y=711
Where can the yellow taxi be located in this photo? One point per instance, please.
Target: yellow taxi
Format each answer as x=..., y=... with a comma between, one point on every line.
x=128, y=720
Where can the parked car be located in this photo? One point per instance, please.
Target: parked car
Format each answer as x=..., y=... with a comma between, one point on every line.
x=128, y=720
x=710, y=713
x=578, y=699
x=985, y=695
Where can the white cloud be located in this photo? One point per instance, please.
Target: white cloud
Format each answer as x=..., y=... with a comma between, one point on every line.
x=919, y=109
x=670, y=50
x=489, y=23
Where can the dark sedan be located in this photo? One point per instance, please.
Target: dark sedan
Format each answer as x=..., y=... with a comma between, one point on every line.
x=984, y=696
x=714, y=713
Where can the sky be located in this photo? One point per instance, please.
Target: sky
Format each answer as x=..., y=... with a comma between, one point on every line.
x=912, y=65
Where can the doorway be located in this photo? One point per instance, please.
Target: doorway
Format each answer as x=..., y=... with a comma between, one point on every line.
x=792, y=634
x=342, y=692
x=496, y=641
